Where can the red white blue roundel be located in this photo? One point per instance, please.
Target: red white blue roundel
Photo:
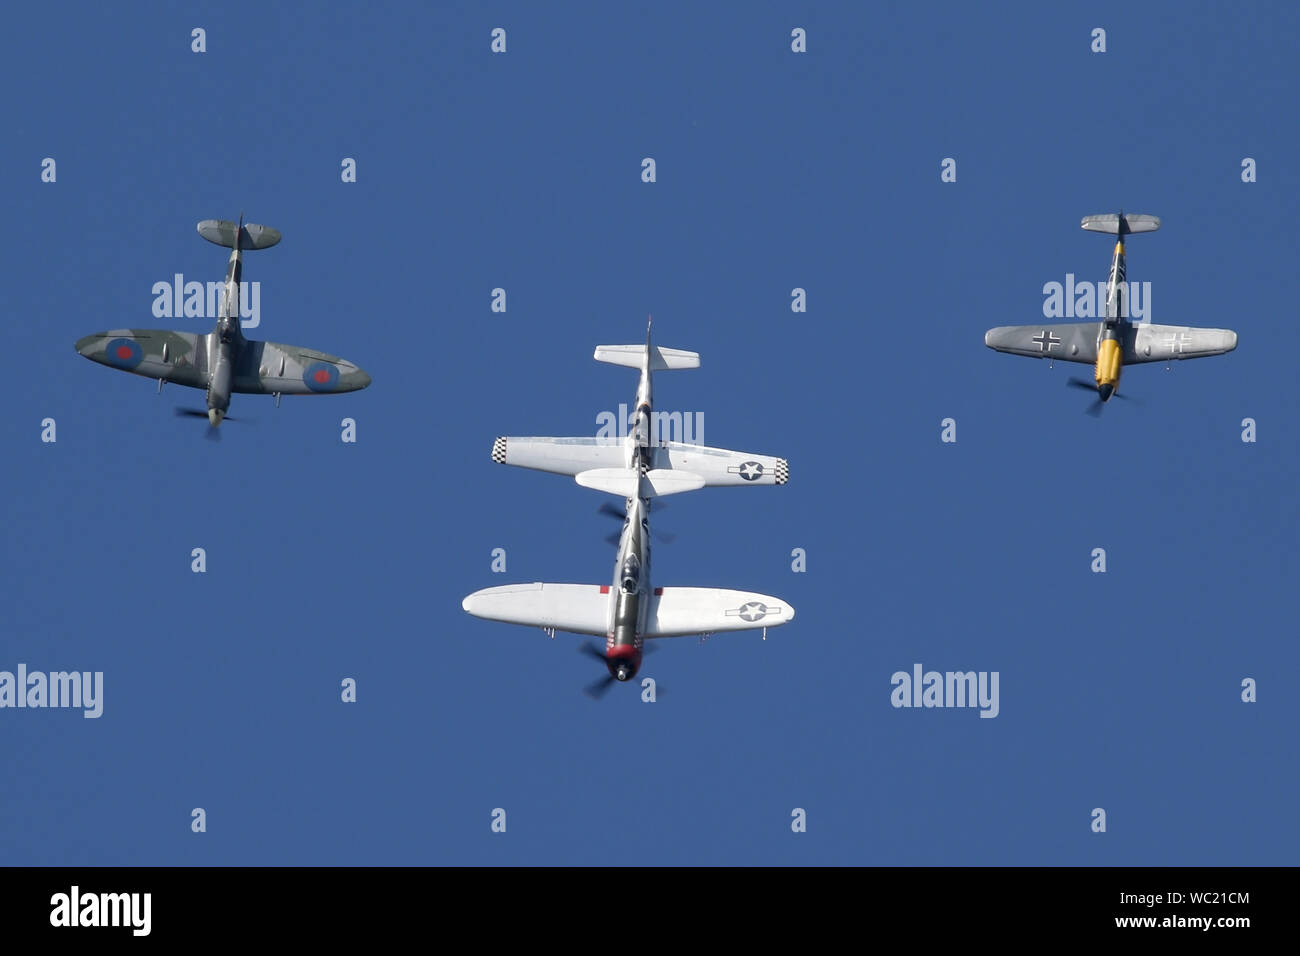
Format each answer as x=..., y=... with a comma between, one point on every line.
x=124, y=353
x=321, y=377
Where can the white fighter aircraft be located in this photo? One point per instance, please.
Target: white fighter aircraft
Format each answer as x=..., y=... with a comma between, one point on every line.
x=640, y=469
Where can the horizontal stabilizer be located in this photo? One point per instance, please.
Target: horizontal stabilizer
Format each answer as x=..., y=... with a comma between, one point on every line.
x=661, y=360
x=630, y=483
x=251, y=236
x=1116, y=226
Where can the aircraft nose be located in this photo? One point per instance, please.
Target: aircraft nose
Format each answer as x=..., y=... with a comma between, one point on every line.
x=1105, y=391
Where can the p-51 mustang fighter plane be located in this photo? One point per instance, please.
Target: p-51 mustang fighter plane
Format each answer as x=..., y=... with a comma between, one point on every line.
x=629, y=466
x=223, y=361
x=1114, y=341
x=629, y=610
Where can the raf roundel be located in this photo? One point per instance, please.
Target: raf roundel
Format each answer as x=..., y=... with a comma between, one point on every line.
x=124, y=353
x=321, y=377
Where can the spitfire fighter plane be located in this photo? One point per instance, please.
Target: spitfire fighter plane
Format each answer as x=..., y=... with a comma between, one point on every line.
x=1114, y=341
x=223, y=361
x=629, y=610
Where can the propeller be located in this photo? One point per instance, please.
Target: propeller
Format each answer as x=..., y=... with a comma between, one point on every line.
x=1095, y=408
x=184, y=412
x=1081, y=383
x=210, y=433
x=213, y=432
x=596, y=689
x=609, y=510
x=591, y=650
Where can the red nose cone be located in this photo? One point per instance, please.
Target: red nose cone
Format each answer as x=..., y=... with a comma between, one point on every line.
x=623, y=661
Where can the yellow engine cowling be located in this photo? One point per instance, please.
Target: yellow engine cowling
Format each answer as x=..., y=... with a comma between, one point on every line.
x=1110, y=358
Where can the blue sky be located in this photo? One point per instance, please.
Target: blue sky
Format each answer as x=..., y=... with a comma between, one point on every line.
x=774, y=171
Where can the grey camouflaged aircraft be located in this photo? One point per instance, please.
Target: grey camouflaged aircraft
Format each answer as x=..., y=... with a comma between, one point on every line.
x=1114, y=341
x=629, y=610
x=222, y=361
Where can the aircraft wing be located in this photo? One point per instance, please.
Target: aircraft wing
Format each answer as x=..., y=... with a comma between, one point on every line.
x=1164, y=343
x=560, y=456
x=720, y=467
x=573, y=456
x=675, y=612
x=578, y=608
x=586, y=609
x=1064, y=342
x=269, y=367
x=179, y=357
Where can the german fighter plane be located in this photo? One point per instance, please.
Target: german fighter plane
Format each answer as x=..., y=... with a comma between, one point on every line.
x=629, y=610
x=1114, y=341
x=223, y=361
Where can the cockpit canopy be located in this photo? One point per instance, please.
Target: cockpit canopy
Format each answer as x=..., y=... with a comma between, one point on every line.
x=631, y=574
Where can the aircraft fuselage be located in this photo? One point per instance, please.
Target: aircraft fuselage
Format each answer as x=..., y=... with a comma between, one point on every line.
x=631, y=587
x=1110, y=343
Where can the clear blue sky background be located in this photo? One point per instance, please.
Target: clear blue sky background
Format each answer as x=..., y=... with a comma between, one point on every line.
x=775, y=171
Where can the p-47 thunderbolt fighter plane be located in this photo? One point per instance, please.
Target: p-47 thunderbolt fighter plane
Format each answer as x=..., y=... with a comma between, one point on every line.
x=223, y=361
x=629, y=610
x=1114, y=341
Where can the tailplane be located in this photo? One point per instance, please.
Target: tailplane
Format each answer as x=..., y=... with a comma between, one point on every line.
x=632, y=356
x=251, y=235
x=1121, y=224
x=631, y=483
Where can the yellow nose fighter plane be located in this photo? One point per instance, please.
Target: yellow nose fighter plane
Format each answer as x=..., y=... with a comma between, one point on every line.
x=1114, y=341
